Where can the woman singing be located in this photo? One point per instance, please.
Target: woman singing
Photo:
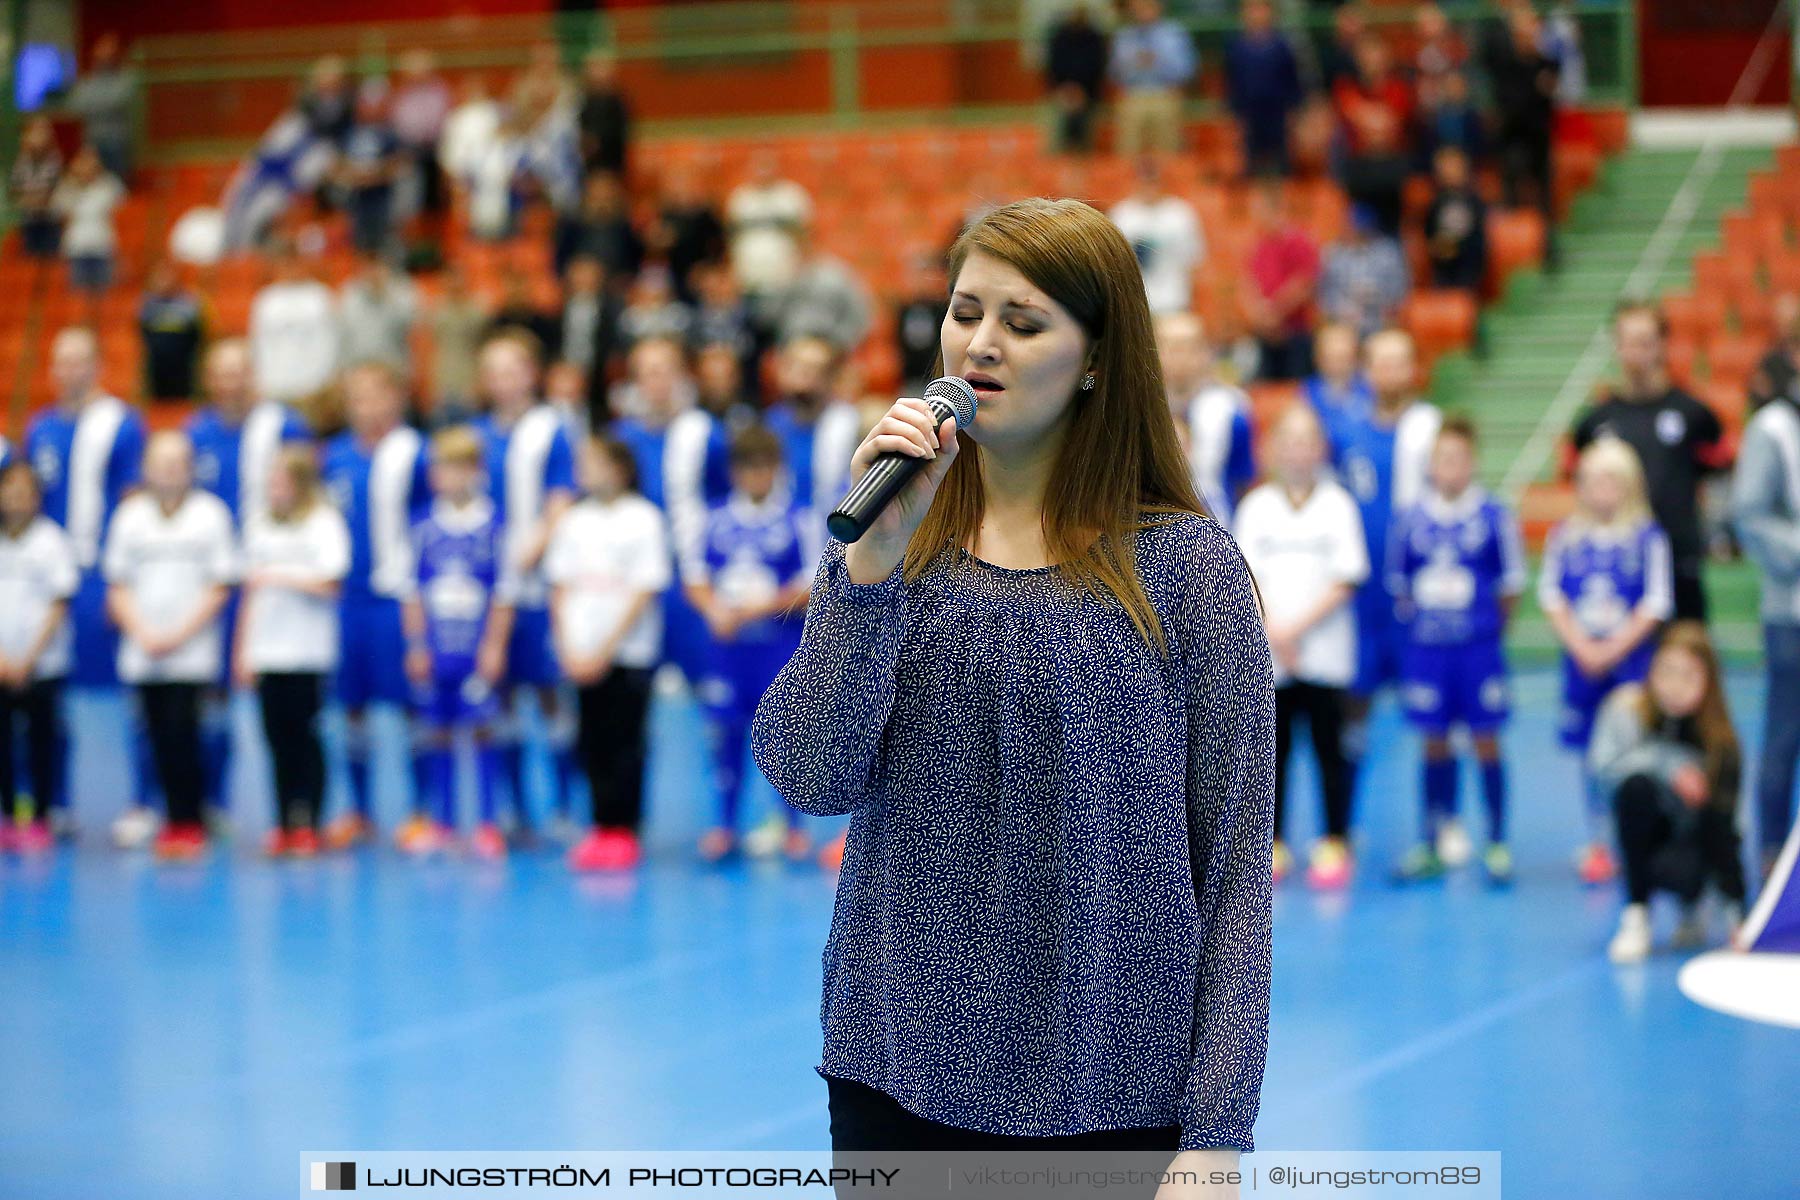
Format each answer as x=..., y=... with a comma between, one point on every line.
x=1040, y=686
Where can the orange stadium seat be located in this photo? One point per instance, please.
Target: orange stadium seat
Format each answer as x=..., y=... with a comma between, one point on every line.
x=1694, y=318
x=1731, y=357
x=1515, y=240
x=1682, y=354
x=1439, y=319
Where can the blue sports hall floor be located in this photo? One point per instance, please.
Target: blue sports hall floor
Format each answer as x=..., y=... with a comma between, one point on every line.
x=185, y=1031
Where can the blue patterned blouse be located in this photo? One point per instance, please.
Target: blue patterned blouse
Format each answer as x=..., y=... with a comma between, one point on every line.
x=1053, y=914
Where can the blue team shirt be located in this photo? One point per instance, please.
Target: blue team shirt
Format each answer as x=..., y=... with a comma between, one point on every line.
x=1604, y=577
x=1364, y=458
x=456, y=564
x=557, y=470
x=218, y=452
x=646, y=443
x=1339, y=409
x=346, y=468
x=1451, y=563
x=797, y=438
x=48, y=444
x=751, y=551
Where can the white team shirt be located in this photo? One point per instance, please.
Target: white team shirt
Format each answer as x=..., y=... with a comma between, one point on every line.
x=1168, y=241
x=293, y=339
x=600, y=555
x=284, y=628
x=1295, y=555
x=37, y=571
x=168, y=563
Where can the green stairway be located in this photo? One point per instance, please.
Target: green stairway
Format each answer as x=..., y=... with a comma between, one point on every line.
x=1633, y=234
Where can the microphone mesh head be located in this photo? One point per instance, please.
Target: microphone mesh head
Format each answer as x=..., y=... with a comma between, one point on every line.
x=957, y=394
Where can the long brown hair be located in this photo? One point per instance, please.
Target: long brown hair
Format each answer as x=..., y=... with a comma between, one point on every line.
x=1712, y=721
x=1120, y=460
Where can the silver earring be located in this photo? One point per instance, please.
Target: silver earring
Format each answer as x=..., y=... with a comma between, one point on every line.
x=1087, y=382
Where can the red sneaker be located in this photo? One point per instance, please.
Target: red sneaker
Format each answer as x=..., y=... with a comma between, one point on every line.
x=832, y=856
x=488, y=843
x=1597, y=866
x=620, y=851
x=8, y=838
x=303, y=842
x=276, y=845
x=181, y=843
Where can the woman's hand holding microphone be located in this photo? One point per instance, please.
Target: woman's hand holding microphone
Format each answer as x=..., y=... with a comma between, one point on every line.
x=906, y=429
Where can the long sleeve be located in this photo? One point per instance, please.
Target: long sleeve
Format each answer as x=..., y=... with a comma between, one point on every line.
x=1230, y=799
x=1621, y=747
x=817, y=732
x=1770, y=534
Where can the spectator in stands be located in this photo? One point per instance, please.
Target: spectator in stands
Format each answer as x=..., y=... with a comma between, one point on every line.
x=719, y=382
x=766, y=215
x=919, y=321
x=1337, y=57
x=542, y=85
x=1779, y=369
x=1152, y=60
x=605, y=117
x=1165, y=234
x=1455, y=224
x=86, y=200
x=32, y=187
x=106, y=100
x=457, y=321
x=1262, y=85
x=1765, y=509
x=1676, y=437
x=602, y=229
x=1365, y=277
x=1438, y=51
x=519, y=309
x=371, y=163
x=1276, y=291
x=1447, y=117
x=1560, y=42
x=328, y=103
x=1075, y=70
x=421, y=109
x=495, y=179
x=172, y=326
x=293, y=330
x=377, y=309
x=654, y=312
x=1523, y=82
x=687, y=231
x=825, y=300
x=470, y=130
x=588, y=331
x=1375, y=110
x=721, y=316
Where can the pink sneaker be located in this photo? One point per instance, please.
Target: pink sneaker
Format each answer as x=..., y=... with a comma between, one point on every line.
x=33, y=840
x=1597, y=866
x=8, y=838
x=488, y=843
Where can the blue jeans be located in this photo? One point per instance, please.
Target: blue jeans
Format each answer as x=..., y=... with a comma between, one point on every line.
x=1781, y=737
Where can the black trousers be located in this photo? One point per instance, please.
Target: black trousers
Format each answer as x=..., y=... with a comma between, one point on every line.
x=290, y=715
x=34, y=711
x=1323, y=709
x=866, y=1118
x=1668, y=846
x=1690, y=593
x=612, y=745
x=172, y=719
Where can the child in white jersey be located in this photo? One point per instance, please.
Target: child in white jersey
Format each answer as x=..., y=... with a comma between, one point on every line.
x=37, y=577
x=169, y=562
x=296, y=554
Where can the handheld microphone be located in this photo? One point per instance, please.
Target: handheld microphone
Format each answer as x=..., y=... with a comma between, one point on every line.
x=892, y=470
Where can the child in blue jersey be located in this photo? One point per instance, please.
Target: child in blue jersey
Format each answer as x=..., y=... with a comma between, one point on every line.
x=87, y=450
x=1606, y=587
x=235, y=439
x=458, y=618
x=1338, y=391
x=375, y=471
x=530, y=473
x=749, y=576
x=1212, y=417
x=1380, y=455
x=681, y=452
x=1455, y=568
